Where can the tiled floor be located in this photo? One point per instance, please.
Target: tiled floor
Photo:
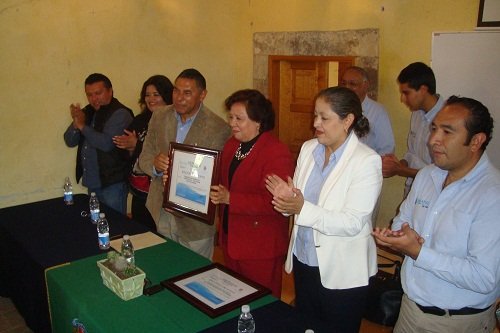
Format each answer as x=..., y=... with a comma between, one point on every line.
x=10, y=320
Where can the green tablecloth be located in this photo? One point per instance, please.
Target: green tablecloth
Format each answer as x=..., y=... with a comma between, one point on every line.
x=76, y=291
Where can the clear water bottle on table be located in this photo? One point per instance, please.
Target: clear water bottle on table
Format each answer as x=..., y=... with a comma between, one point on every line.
x=94, y=208
x=128, y=250
x=246, y=323
x=68, y=192
x=103, y=232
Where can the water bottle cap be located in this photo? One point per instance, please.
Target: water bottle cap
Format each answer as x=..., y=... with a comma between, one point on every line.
x=245, y=308
x=92, y=194
x=101, y=215
x=126, y=237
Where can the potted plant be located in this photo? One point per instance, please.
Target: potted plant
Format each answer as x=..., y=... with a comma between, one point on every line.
x=124, y=279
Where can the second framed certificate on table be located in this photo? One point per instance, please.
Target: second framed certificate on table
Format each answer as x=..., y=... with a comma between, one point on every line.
x=214, y=289
x=192, y=170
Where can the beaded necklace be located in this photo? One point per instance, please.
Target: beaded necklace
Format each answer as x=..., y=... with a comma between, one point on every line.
x=245, y=148
x=240, y=156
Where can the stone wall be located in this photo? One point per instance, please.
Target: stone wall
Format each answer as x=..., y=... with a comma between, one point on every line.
x=363, y=44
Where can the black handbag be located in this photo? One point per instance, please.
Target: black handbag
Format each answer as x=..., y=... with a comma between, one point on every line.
x=384, y=294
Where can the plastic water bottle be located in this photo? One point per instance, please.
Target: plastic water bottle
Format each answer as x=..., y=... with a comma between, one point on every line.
x=103, y=232
x=94, y=208
x=246, y=324
x=68, y=192
x=128, y=250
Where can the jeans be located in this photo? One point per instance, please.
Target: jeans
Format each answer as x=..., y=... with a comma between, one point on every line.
x=113, y=196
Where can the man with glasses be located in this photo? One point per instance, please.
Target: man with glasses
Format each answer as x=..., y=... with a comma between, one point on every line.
x=380, y=138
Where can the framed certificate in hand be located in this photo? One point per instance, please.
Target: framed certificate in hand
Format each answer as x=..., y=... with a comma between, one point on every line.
x=191, y=172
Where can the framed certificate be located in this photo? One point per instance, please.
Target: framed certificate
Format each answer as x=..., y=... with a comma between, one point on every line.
x=191, y=172
x=214, y=289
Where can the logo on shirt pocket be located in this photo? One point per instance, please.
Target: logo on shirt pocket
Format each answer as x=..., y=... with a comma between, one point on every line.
x=423, y=203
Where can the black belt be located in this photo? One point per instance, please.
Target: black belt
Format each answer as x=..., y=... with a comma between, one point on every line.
x=434, y=310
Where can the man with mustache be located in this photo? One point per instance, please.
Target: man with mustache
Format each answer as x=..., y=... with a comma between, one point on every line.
x=186, y=121
x=102, y=166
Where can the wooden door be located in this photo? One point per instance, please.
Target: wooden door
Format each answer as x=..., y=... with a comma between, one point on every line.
x=300, y=81
x=294, y=82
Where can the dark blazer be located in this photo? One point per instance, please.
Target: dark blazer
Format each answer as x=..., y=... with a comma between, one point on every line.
x=255, y=229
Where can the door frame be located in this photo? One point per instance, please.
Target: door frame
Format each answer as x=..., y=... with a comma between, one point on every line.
x=274, y=75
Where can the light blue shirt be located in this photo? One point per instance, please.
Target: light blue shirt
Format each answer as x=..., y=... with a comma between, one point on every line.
x=459, y=263
x=418, y=155
x=304, y=248
x=181, y=133
x=380, y=138
x=183, y=128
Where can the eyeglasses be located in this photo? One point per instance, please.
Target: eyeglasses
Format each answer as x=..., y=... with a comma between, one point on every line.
x=350, y=83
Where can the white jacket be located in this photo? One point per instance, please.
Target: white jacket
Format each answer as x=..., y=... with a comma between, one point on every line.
x=345, y=248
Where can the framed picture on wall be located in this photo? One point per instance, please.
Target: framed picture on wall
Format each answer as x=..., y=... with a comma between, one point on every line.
x=489, y=13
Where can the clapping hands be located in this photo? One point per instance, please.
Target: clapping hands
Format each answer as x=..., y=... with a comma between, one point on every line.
x=286, y=198
x=126, y=141
x=406, y=240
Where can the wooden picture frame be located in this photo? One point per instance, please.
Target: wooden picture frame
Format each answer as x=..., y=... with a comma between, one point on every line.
x=215, y=289
x=191, y=172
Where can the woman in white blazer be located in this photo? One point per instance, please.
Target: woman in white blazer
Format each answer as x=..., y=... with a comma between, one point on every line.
x=335, y=187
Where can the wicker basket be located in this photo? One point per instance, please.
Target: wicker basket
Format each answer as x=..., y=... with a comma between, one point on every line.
x=125, y=289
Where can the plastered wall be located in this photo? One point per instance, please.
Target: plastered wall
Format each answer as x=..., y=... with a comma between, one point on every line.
x=48, y=47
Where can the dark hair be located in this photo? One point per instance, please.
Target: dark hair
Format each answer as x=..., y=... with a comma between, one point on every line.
x=344, y=101
x=98, y=77
x=162, y=84
x=258, y=107
x=193, y=74
x=478, y=121
x=418, y=74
